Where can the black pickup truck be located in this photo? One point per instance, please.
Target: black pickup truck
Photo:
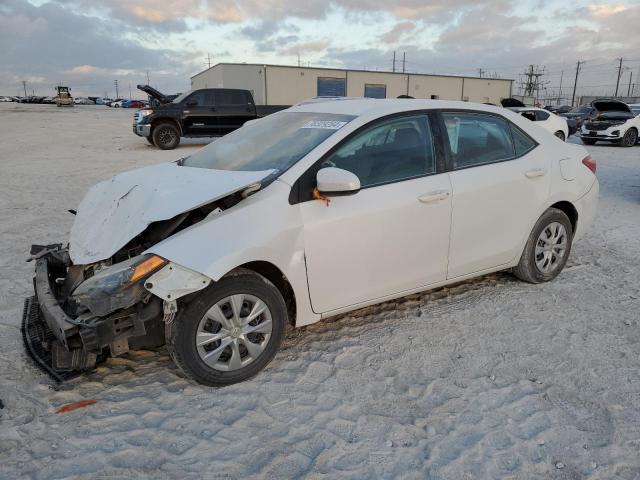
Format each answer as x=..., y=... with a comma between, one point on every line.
x=207, y=112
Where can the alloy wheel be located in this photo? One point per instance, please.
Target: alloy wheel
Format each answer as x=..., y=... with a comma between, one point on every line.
x=234, y=332
x=551, y=247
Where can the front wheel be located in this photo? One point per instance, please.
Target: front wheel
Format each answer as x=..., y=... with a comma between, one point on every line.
x=547, y=248
x=630, y=138
x=560, y=135
x=230, y=331
x=166, y=136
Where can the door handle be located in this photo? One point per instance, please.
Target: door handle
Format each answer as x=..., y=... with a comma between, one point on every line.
x=535, y=172
x=434, y=196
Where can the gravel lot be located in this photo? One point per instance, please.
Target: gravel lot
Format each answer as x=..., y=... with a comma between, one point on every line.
x=490, y=378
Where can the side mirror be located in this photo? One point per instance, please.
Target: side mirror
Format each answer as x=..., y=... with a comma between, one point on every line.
x=336, y=181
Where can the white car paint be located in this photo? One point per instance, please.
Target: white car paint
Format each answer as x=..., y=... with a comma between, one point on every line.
x=552, y=123
x=384, y=242
x=115, y=211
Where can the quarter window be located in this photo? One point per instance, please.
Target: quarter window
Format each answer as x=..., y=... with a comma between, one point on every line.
x=521, y=141
x=390, y=151
x=477, y=139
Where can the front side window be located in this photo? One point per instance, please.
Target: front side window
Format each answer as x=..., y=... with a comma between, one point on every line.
x=196, y=100
x=275, y=142
x=477, y=139
x=389, y=151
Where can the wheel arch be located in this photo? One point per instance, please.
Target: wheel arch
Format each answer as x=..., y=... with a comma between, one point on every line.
x=157, y=121
x=272, y=273
x=569, y=210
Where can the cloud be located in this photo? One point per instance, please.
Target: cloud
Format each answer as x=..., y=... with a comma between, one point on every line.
x=397, y=32
x=306, y=47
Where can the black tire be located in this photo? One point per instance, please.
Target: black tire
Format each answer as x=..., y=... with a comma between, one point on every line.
x=630, y=138
x=560, y=135
x=150, y=140
x=527, y=269
x=588, y=141
x=166, y=136
x=181, y=340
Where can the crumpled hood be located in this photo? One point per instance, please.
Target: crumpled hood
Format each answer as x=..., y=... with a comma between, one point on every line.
x=115, y=211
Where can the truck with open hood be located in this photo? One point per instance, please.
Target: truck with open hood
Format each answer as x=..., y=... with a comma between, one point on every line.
x=612, y=121
x=206, y=112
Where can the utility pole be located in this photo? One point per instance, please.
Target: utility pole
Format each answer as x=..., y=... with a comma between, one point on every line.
x=480, y=72
x=404, y=60
x=298, y=58
x=24, y=85
x=115, y=82
x=148, y=81
x=394, y=61
x=575, y=82
x=130, y=90
x=619, y=75
x=629, y=89
x=209, y=59
x=560, y=89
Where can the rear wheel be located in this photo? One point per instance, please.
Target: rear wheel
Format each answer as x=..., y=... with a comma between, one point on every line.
x=230, y=331
x=166, y=136
x=588, y=141
x=547, y=248
x=560, y=135
x=630, y=138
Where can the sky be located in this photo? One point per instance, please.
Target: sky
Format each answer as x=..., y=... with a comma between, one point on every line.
x=88, y=44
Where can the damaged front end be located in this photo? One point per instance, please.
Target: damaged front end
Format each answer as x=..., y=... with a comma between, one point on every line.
x=81, y=314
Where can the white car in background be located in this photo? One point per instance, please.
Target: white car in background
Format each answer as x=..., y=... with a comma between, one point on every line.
x=549, y=121
x=304, y=214
x=614, y=122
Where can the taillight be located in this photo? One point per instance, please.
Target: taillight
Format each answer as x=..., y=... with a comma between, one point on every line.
x=590, y=163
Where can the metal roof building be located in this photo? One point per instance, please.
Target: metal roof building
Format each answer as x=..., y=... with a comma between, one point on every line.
x=287, y=85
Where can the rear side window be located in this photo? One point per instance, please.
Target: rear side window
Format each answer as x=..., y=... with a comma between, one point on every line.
x=232, y=97
x=541, y=116
x=522, y=142
x=477, y=139
x=388, y=151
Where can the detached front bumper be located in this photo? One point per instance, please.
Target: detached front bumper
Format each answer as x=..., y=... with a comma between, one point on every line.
x=142, y=130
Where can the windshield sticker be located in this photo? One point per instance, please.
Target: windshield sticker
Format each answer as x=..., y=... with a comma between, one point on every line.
x=324, y=124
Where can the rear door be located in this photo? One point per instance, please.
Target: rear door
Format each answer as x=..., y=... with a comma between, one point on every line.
x=500, y=181
x=234, y=108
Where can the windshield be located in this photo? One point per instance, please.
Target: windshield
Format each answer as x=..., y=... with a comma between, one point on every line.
x=275, y=142
x=181, y=97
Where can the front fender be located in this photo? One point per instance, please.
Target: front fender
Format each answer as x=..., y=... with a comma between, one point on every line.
x=263, y=227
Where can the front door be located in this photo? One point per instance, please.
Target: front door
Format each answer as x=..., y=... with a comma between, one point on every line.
x=500, y=178
x=390, y=237
x=199, y=115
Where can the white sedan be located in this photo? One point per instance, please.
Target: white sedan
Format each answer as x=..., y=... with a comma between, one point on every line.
x=551, y=122
x=305, y=214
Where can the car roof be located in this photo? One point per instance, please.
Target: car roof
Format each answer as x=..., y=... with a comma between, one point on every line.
x=378, y=107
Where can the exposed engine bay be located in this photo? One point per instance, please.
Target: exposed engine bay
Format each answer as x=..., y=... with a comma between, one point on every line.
x=82, y=314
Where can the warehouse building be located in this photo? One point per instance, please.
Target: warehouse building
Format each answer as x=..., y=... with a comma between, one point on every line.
x=287, y=85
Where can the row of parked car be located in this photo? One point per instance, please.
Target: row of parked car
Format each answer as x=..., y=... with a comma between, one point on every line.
x=606, y=119
x=117, y=103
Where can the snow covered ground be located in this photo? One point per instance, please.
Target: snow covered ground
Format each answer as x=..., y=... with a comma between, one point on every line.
x=491, y=378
